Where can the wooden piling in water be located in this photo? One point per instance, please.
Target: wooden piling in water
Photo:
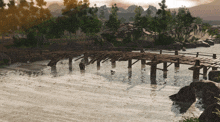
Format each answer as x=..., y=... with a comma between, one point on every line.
x=178, y=63
x=54, y=69
x=70, y=64
x=129, y=63
x=98, y=64
x=165, y=70
x=86, y=58
x=153, y=69
x=214, y=57
x=153, y=72
x=160, y=51
x=164, y=66
x=196, y=70
x=143, y=60
x=197, y=54
x=205, y=69
x=113, y=63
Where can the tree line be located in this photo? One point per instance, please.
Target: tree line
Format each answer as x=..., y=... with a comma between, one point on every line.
x=166, y=27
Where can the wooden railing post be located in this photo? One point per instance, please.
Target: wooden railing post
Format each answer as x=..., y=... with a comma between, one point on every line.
x=197, y=54
x=160, y=51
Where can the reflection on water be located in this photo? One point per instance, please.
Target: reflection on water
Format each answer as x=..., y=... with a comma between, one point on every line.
x=153, y=93
x=129, y=76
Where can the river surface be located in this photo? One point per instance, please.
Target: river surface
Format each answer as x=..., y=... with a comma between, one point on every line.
x=94, y=95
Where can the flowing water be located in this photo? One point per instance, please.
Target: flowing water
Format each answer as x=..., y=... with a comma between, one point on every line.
x=94, y=95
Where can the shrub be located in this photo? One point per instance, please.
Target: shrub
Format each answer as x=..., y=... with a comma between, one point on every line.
x=190, y=120
x=164, y=40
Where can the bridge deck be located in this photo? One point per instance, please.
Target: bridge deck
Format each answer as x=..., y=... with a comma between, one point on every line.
x=124, y=56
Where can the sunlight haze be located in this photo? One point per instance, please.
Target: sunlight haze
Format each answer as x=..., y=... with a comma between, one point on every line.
x=143, y=3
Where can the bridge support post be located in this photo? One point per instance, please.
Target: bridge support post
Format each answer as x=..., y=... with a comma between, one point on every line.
x=177, y=64
x=143, y=60
x=197, y=54
x=86, y=58
x=165, y=70
x=53, y=70
x=113, y=63
x=129, y=63
x=98, y=64
x=70, y=64
x=205, y=73
x=214, y=57
x=153, y=72
x=196, y=70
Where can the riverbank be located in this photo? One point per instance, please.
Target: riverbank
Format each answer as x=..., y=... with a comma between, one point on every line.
x=25, y=55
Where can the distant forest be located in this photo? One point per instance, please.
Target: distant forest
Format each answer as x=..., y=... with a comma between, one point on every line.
x=212, y=22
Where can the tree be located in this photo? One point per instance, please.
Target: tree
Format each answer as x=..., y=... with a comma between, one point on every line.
x=122, y=20
x=102, y=14
x=90, y=24
x=197, y=22
x=205, y=27
x=137, y=32
x=131, y=19
x=161, y=25
x=12, y=16
x=113, y=23
x=2, y=18
x=73, y=13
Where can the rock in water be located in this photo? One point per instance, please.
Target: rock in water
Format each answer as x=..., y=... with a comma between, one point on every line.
x=208, y=115
x=213, y=76
x=185, y=94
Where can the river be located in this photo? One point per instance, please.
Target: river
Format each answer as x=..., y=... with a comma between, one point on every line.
x=94, y=95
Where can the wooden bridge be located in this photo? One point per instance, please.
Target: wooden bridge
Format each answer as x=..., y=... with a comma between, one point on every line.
x=176, y=58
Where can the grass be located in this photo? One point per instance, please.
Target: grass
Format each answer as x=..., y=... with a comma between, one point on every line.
x=191, y=119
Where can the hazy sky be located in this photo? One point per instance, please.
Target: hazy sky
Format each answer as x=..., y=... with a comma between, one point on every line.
x=143, y=3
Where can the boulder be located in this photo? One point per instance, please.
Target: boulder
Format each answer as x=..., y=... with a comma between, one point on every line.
x=4, y=59
x=184, y=49
x=202, y=44
x=189, y=45
x=177, y=45
x=185, y=94
x=214, y=75
x=204, y=89
x=209, y=114
x=209, y=41
x=207, y=91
